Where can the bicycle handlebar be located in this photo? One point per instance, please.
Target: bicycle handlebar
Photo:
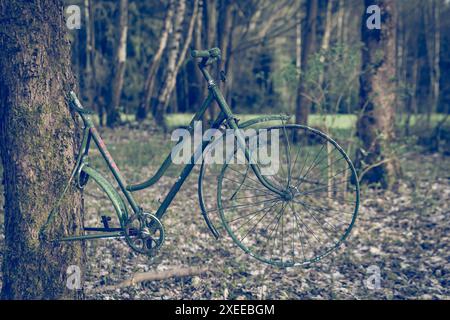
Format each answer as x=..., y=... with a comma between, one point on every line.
x=211, y=53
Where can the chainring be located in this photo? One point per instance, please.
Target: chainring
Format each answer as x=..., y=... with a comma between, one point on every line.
x=145, y=233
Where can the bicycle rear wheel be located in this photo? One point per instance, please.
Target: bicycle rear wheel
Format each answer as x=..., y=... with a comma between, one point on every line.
x=318, y=208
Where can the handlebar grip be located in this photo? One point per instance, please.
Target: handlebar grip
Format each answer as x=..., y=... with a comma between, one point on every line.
x=211, y=53
x=200, y=54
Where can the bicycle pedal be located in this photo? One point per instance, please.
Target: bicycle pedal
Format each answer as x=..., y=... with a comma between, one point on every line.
x=105, y=221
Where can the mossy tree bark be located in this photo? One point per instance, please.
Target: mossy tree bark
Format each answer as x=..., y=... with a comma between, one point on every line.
x=37, y=148
x=377, y=97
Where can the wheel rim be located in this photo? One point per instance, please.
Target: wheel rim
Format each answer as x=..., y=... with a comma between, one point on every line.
x=302, y=230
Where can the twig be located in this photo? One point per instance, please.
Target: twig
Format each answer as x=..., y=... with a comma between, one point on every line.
x=153, y=276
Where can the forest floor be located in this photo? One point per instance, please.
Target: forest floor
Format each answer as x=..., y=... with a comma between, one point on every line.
x=402, y=235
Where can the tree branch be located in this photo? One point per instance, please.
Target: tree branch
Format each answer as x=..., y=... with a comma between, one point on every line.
x=153, y=276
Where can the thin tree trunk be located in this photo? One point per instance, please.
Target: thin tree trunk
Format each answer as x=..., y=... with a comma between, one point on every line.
x=437, y=54
x=328, y=26
x=298, y=42
x=211, y=14
x=37, y=148
x=170, y=77
x=377, y=97
x=431, y=20
x=198, y=84
x=432, y=25
x=88, y=66
x=340, y=21
x=412, y=97
x=346, y=25
x=113, y=112
x=193, y=36
x=199, y=27
x=144, y=106
x=326, y=39
x=224, y=34
x=90, y=39
x=184, y=104
x=298, y=53
x=309, y=40
x=400, y=49
x=427, y=7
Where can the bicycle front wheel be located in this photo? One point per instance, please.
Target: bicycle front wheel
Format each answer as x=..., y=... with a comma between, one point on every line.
x=318, y=207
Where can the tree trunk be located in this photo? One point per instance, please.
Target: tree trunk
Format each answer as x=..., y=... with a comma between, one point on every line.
x=437, y=55
x=326, y=39
x=182, y=55
x=170, y=76
x=210, y=8
x=411, y=103
x=432, y=26
x=412, y=44
x=224, y=34
x=144, y=106
x=309, y=41
x=196, y=85
x=340, y=22
x=170, y=83
x=112, y=108
x=91, y=73
x=328, y=26
x=37, y=147
x=298, y=42
x=88, y=67
x=377, y=97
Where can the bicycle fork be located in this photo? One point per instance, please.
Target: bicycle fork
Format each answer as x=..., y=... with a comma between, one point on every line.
x=232, y=123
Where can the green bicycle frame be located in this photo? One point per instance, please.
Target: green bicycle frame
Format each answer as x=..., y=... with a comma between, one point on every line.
x=90, y=133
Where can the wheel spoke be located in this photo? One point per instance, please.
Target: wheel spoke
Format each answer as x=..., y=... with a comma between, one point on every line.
x=255, y=214
x=254, y=227
x=242, y=205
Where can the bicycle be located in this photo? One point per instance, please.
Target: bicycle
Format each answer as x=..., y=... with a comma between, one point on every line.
x=289, y=217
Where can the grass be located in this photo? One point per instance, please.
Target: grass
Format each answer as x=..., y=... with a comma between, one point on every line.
x=340, y=121
x=422, y=118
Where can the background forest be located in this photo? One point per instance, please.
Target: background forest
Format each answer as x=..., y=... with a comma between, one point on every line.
x=296, y=57
x=262, y=44
x=384, y=95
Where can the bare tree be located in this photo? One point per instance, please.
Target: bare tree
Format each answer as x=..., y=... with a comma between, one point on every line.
x=112, y=107
x=172, y=67
x=144, y=106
